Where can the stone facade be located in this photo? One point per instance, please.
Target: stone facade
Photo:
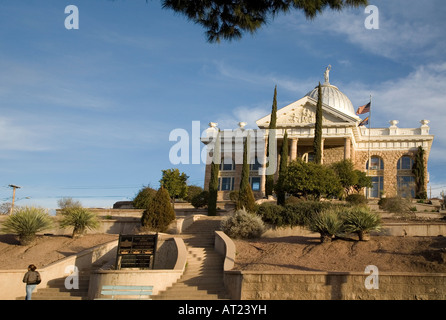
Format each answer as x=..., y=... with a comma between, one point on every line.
x=343, y=137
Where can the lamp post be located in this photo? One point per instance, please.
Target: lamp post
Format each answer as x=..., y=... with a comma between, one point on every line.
x=14, y=187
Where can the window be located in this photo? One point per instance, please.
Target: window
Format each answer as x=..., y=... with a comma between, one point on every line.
x=406, y=186
x=255, y=183
x=255, y=166
x=405, y=177
x=308, y=157
x=227, y=165
x=226, y=183
x=376, y=164
x=377, y=187
x=405, y=163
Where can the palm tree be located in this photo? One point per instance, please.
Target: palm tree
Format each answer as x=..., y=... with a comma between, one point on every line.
x=361, y=221
x=26, y=222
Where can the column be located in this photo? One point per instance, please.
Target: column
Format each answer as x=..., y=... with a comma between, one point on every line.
x=347, y=148
x=294, y=148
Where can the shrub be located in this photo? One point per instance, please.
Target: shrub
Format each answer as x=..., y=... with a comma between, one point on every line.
x=80, y=219
x=294, y=214
x=361, y=221
x=271, y=213
x=356, y=199
x=159, y=213
x=395, y=204
x=243, y=225
x=25, y=222
x=200, y=200
x=192, y=192
x=143, y=198
x=328, y=223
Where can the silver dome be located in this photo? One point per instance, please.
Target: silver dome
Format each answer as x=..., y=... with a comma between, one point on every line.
x=333, y=97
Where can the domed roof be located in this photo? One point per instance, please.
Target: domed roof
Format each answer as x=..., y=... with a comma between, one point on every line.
x=333, y=97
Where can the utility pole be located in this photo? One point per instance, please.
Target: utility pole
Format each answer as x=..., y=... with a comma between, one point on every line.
x=13, y=195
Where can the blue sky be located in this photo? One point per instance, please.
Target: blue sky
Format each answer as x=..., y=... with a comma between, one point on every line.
x=87, y=113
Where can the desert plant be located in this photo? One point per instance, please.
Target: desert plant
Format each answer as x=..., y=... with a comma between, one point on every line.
x=160, y=212
x=26, y=222
x=327, y=223
x=361, y=220
x=243, y=225
x=80, y=219
x=67, y=202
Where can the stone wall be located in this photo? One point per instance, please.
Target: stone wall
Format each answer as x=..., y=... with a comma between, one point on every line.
x=294, y=285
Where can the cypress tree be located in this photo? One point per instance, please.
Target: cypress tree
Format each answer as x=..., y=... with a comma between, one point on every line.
x=282, y=170
x=213, y=183
x=419, y=173
x=317, y=142
x=269, y=181
x=159, y=213
x=246, y=198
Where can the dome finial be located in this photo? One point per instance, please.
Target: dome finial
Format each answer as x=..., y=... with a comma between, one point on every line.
x=327, y=74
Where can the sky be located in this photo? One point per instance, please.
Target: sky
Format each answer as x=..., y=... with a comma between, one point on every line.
x=87, y=113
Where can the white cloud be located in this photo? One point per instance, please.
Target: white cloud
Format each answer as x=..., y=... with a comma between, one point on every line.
x=406, y=31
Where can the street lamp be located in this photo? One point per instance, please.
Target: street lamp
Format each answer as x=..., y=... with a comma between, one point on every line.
x=13, y=195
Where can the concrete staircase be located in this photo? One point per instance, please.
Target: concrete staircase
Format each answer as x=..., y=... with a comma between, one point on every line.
x=203, y=276
x=56, y=290
x=202, y=279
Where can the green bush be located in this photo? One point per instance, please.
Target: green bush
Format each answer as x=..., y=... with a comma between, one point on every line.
x=293, y=214
x=200, y=200
x=192, y=192
x=25, y=222
x=80, y=219
x=243, y=225
x=356, y=199
x=361, y=220
x=327, y=223
x=271, y=213
x=143, y=198
x=159, y=213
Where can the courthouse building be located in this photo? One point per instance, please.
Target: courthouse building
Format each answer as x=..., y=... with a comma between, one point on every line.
x=390, y=150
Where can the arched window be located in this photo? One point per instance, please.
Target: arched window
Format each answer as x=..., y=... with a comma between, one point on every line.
x=376, y=163
x=376, y=171
x=405, y=177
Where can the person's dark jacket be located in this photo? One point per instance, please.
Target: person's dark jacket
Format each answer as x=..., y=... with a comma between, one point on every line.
x=32, y=277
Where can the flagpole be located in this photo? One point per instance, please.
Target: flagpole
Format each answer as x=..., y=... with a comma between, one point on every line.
x=370, y=127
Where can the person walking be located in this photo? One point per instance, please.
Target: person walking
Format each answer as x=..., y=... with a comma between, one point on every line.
x=32, y=279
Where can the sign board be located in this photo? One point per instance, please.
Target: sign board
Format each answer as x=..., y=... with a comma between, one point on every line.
x=136, y=251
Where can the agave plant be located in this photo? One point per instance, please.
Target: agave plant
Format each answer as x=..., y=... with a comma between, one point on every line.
x=80, y=219
x=361, y=220
x=26, y=222
x=328, y=223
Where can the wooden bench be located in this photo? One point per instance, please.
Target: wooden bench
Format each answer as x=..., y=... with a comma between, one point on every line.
x=115, y=291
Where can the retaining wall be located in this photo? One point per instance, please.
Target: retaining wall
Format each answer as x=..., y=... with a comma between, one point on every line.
x=270, y=285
